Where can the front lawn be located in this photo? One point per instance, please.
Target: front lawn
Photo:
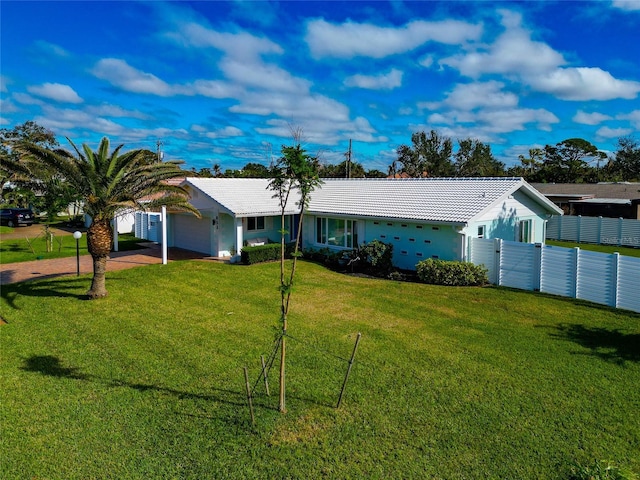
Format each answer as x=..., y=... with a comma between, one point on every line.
x=472, y=383
x=21, y=250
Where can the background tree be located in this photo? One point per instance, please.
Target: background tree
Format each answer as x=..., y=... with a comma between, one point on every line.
x=530, y=166
x=109, y=183
x=567, y=161
x=340, y=170
x=25, y=181
x=294, y=174
x=427, y=156
x=474, y=159
x=625, y=165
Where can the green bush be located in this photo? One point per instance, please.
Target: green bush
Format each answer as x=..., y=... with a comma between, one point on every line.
x=374, y=258
x=454, y=274
x=265, y=253
x=326, y=256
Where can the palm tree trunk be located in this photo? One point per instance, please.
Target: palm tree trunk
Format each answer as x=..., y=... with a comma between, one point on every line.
x=98, y=285
x=99, y=244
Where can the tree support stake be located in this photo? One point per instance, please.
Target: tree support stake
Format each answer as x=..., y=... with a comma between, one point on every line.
x=346, y=377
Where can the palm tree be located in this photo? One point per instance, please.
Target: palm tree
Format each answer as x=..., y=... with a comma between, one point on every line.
x=108, y=183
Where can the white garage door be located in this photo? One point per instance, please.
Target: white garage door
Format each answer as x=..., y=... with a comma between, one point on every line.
x=192, y=233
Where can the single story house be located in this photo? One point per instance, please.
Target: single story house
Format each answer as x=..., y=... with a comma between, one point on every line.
x=605, y=199
x=422, y=218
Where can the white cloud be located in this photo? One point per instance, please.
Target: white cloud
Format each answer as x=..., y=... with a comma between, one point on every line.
x=633, y=117
x=590, y=118
x=107, y=110
x=26, y=99
x=427, y=61
x=261, y=75
x=225, y=133
x=513, y=52
x=120, y=74
x=55, y=91
x=387, y=81
x=52, y=49
x=349, y=39
x=470, y=96
x=215, y=89
x=628, y=5
x=3, y=84
x=6, y=106
x=606, y=132
x=516, y=55
x=584, y=84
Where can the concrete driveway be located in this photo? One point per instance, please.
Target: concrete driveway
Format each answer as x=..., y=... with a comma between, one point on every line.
x=40, y=269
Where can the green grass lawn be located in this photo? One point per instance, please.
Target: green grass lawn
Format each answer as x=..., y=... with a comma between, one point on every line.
x=451, y=383
x=630, y=252
x=19, y=250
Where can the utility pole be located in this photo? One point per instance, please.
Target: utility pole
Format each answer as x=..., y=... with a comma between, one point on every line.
x=159, y=153
x=347, y=169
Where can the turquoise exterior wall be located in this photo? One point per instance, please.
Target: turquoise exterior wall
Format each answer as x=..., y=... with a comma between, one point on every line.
x=412, y=242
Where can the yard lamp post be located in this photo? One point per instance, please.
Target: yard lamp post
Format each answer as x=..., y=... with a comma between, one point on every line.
x=77, y=235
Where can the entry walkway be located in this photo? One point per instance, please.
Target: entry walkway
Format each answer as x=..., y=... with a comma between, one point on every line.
x=40, y=269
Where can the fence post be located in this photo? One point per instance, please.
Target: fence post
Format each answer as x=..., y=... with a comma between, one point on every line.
x=620, y=225
x=579, y=232
x=600, y=230
x=496, y=259
x=614, y=283
x=576, y=266
x=537, y=267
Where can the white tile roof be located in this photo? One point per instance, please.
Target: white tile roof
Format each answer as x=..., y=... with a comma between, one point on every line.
x=243, y=197
x=450, y=200
x=447, y=200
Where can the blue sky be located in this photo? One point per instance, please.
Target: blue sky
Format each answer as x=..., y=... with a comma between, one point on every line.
x=227, y=82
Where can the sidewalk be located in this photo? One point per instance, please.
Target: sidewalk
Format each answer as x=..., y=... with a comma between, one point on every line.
x=40, y=269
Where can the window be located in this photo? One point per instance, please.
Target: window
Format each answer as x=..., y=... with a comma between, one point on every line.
x=255, y=223
x=526, y=231
x=481, y=231
x=336, y=232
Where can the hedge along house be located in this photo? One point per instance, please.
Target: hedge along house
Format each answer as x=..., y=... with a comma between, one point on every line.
x=421, y=218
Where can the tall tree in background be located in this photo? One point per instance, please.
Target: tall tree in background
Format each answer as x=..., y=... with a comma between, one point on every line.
x=340, y=170
x=474, y=159
x=27, y=179
x=625, y=165
x=109, y=183
x=427, y=156
x=567, y=161
x=295, y=174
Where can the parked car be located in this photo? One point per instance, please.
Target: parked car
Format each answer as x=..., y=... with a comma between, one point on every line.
x=14, y=217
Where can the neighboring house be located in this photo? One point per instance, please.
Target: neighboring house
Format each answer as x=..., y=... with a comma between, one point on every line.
x=422, y=218
x=611, y=199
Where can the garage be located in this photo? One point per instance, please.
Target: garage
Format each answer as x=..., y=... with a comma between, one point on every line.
x=192, y=233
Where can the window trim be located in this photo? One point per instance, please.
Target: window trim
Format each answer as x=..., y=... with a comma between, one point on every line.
x=256, y=221
x=349, y=228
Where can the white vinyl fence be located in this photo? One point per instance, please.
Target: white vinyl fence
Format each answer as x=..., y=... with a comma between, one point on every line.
x=602, y=230
x=608, y=279
x=148, y=226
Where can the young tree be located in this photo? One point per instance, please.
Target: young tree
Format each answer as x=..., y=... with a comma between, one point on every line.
x=108, y=183
x=294, y=174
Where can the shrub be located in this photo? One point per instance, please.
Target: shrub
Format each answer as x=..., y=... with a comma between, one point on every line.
x=326, y=256
x=264, y=253
x=454, y=274
x=374, y=258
